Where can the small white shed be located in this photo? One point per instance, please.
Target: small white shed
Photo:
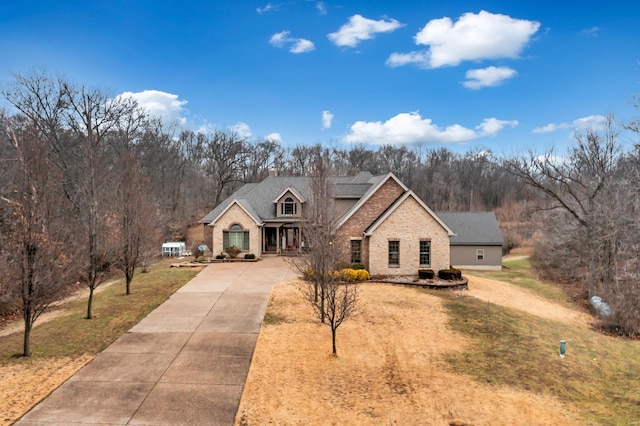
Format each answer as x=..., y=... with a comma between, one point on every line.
x=174, y=249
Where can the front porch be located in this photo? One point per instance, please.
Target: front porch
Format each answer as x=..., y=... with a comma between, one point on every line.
x=284, y=239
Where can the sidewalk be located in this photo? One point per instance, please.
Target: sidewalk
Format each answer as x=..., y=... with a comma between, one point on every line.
x=185, y=363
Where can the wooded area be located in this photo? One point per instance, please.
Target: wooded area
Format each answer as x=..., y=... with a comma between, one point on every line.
x=90, y=184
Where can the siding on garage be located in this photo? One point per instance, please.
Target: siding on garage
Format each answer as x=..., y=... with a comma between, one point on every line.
x=464, y=257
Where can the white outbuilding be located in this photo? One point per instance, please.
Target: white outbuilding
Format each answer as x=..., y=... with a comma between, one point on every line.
x=174, y=249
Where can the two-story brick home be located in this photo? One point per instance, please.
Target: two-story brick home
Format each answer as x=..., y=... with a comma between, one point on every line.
x=382, y=224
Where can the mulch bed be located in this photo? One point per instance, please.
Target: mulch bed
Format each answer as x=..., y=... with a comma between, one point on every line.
x=434, y=284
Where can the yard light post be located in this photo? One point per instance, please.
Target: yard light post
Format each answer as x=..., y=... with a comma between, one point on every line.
x=563, y=348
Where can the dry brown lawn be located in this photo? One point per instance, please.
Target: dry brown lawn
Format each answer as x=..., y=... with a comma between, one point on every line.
x=391, y=367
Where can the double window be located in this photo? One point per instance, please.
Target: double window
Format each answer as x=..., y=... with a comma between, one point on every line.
x=288, y=207
x=235, y=237
x=425, y=252
x=394, y=253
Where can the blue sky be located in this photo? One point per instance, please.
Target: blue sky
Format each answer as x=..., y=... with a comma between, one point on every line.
x=500, y=75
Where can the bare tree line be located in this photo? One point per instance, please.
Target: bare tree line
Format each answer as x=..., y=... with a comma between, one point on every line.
x=90, y=184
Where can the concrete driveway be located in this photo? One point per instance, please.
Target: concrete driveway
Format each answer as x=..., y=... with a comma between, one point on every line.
x=185, y=363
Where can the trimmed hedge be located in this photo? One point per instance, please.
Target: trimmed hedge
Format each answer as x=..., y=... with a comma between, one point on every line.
x=451, y=274
x=426, y=274
x=249, y=256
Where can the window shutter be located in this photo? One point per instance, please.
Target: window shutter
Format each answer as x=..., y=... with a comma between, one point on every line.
x=246, y=241
x=225, y=240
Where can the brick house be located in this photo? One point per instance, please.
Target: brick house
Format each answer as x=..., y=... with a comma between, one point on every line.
x=382, y=224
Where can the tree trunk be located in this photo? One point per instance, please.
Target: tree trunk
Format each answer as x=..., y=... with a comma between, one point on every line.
x=128, y=279
x=333, y=340
x=89, y=303
x=26, y=344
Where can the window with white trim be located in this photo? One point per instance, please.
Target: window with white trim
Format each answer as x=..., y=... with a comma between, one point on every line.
x=480, y=254
x=288, y=207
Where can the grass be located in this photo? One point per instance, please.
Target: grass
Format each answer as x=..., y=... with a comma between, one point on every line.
x=599, y=375
x=518, y=272
x=114, y=313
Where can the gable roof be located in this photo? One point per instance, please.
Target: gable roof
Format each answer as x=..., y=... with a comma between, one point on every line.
x=245, y=189
x=473, y=228
x=369, y=231
x=244, y=205
x=257, y=198
x=377, y=182
x=293, y=191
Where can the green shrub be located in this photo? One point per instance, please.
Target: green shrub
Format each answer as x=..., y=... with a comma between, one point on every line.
x=451, y=274
x=220, y=256
x=200, y=259
x=357, y=266
x=249, y=256
x=426, y=274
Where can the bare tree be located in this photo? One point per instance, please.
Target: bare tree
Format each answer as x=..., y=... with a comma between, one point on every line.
x=333, y=301
x=578, y=185
x=34, y=243
x=224, y=156
x=134, y=207
x=75, y=122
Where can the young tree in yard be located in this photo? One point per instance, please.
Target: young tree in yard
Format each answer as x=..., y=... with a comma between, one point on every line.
x=34, y=243
x=134, y=207
x=136, y=215
x=333, y=301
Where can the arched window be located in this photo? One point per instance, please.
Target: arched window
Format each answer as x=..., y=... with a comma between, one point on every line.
x=289, y=206
x=236, y=236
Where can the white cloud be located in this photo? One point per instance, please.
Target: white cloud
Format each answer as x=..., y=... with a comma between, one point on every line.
x=327, y=118
x=407, y=128
x=302, y=45
x=591, y=122
x=165, y=106
x=487, y=77
x=241, y=129
x=279, y=39
x=591, y=32
x=275, y=137
x=321, y=7
x=491, y=126
x=421, y=59
x=298, y=45
x=473, y=37
x=268, y=7
x=360, y=28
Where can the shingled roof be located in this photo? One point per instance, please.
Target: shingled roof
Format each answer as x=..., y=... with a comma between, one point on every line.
x=473, y=228
x=259, y=196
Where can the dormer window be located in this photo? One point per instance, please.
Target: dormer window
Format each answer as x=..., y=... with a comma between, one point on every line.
x=288, y=206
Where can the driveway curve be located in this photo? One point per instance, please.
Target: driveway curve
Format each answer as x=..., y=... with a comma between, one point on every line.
x=185, y=363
